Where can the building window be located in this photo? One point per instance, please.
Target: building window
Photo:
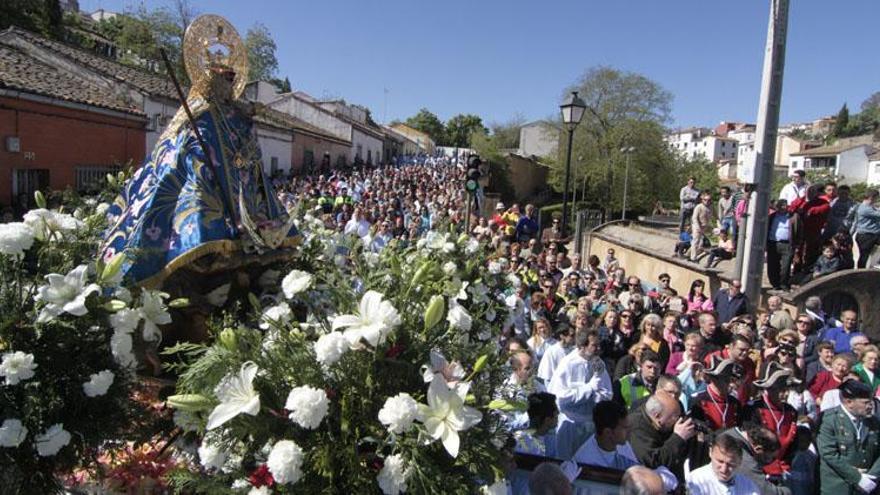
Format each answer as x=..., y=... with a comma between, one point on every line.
x=273, y=165
x=309, y=159
x=369, y=157
x=90, y=178
x=26, y=181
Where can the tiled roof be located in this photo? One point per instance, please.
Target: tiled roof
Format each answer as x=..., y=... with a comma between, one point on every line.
x=21, y=72
x=148, y=82
x=828, y=150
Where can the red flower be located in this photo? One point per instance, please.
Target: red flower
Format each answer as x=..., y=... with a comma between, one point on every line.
x=377, y=463
x=331, y=394
x=262, y=477
x=394, y=351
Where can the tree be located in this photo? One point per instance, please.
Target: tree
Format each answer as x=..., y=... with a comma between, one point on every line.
x=261, y=53
x=428, y=123
x=460, y=128
x=506, y=134
x=872, y=101
x=499, y=171
x=842, y=122
x=283, y=85
x=41, y=16
x=623, y=109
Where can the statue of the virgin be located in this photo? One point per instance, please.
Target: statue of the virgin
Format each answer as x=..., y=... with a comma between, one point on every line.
x=200, y=201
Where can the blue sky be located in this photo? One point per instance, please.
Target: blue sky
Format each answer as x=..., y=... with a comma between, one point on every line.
x=499, y=58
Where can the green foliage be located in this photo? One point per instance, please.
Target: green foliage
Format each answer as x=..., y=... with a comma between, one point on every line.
x=840, y=125
x=263, y=65
x=506, y=134
x=344, y=452
x=40, y=16
x=67, y=350
x=623, y=109
x=428, y=123
x=460, y=128
x=872, y=101
x=499, y=169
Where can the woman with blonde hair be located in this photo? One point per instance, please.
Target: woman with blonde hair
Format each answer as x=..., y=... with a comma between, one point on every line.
x=629, y=363
x=541, y=339
x=651, y=329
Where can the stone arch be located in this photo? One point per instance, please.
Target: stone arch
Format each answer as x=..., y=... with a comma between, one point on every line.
x=845, y=288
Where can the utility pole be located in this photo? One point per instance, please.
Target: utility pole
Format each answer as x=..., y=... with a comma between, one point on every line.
x=628, y=150
x=765, y=146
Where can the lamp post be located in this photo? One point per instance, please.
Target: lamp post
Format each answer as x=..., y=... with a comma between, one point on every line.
x=628, y=150
x=572, y=109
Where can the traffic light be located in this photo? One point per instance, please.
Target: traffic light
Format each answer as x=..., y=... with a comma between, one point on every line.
x=472, y=176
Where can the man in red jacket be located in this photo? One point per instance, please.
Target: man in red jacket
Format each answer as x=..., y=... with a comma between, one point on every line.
x=738, y=350
x=812, y=215
x=772, y=411
x=716, y=406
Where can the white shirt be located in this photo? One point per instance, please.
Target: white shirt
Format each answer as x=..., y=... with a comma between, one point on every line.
x=590, y=453
x=702, y=481
x=552, y=356
x=791, y=192
x=574, y=396
x=360, y=228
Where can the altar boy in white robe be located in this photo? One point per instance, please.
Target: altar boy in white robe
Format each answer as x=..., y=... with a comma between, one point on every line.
x=579, y=383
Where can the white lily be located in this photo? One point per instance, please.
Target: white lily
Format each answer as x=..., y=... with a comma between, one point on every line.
x=237, y=396
x=451, y=372
x=155, y=313
x=446, y=415
x=65, y=294
x=374, y=320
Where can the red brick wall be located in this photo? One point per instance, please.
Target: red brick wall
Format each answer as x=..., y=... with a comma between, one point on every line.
x=59, y=139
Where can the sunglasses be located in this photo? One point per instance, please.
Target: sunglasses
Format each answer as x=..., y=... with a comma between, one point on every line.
x=802, y=322
x=625, y=316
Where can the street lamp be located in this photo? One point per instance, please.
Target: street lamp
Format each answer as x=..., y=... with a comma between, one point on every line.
x=572, y=109
x=628, y=150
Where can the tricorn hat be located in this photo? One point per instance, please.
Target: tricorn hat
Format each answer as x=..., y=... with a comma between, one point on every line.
x=719, y=366
x=776, y=374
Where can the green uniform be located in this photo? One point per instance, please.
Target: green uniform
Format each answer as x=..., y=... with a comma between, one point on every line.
x=842, y=455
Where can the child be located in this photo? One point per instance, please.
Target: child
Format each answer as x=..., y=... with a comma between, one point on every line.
x=684, y=243
x=829, y=262
x=725, y=250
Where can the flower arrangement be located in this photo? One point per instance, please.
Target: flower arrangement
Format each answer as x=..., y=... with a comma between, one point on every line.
x=66, y=352
x=366, y=374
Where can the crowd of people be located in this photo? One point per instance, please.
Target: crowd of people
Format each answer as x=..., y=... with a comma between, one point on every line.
x=811, y=228
x=688, y=392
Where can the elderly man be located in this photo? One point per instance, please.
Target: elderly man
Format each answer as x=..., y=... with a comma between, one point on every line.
x=659, y=435
x=639, y=480
x=730, y=302
x=527, y=227
x=842, y=336
x=849, y=443
x=579, y=383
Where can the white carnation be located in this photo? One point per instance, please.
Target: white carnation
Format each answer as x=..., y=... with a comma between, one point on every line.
x=278, y=314
x=295, y=282
x=98, y=383
x=210, y=456
x=260, y=490
x=17, y=366
x=399, y=412
x=471, y=247
x=285, y=462
x=120, y=347
x=458, y=317
x=392, y=477
x=52, y=440
x=330, y=347
x=449, y=268
x=125, y=320
x=307, y=406
x=15, y=238
x=12, y=433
